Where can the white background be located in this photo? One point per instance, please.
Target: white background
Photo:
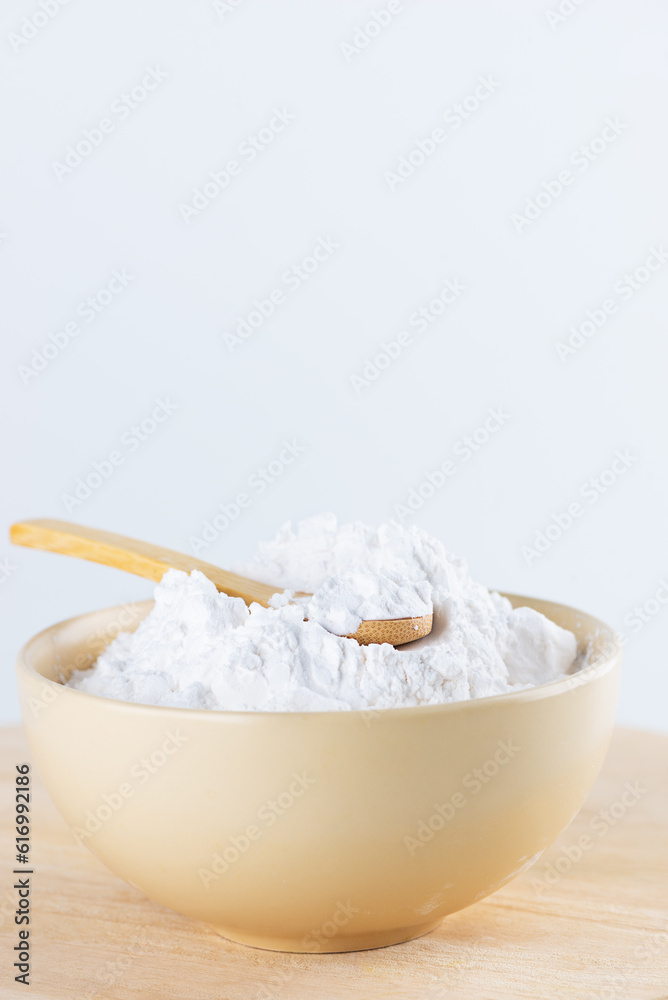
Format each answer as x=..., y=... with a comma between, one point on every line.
x=324, y=176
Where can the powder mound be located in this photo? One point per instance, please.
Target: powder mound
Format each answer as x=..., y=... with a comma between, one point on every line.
x=201, y=649
x=343, y=602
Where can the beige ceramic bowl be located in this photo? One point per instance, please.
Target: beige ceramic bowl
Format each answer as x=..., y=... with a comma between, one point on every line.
x=316, y=832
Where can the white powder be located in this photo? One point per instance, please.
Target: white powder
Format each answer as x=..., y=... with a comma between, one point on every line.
x=202, y=649
x=343, y=602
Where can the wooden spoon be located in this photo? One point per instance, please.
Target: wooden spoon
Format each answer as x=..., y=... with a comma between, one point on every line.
x=152, y=562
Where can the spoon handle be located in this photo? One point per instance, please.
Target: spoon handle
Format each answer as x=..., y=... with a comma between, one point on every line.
x=140, y=558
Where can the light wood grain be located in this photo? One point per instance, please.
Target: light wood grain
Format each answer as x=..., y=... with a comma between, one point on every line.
x=130, y=554
x=601, y=929
x=396, y=631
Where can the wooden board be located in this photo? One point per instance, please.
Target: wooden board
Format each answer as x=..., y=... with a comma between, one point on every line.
x=600, y=930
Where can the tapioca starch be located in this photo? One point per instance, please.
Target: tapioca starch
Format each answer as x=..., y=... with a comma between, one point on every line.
x=201, y=649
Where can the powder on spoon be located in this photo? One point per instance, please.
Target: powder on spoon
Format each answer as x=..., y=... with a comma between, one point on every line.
x=343, y=602
x=201, y=649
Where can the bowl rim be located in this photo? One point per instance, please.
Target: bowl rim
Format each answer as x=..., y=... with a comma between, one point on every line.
x=586, y=675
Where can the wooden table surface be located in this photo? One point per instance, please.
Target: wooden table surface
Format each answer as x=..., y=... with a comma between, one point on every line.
x=588, y=921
